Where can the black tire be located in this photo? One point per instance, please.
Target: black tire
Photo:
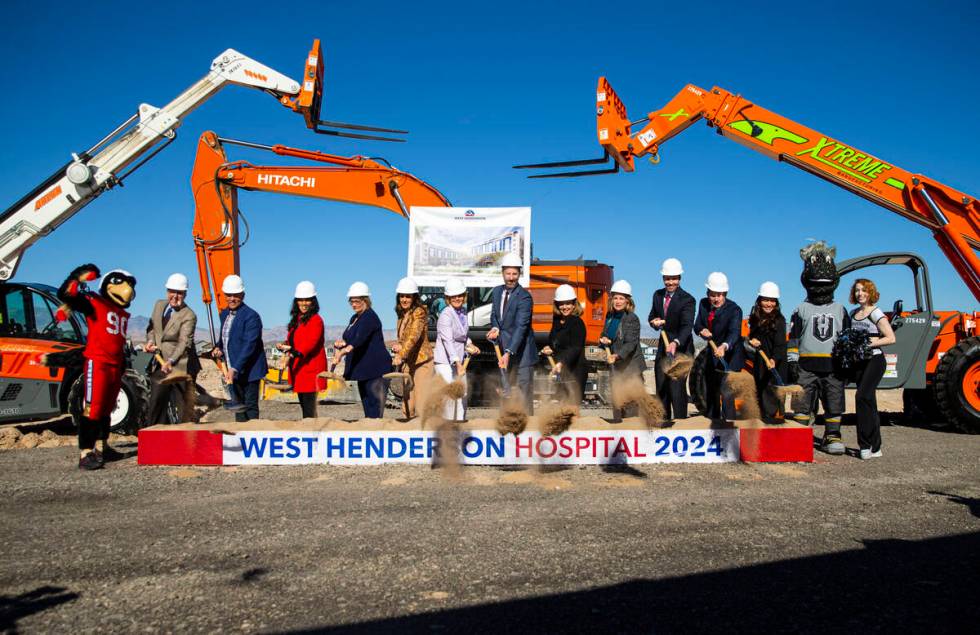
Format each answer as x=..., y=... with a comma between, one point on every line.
x=133, y=397
x=696, y=385
x=949, y=389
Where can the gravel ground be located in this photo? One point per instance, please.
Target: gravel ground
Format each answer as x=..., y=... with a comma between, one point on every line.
x=890, y=545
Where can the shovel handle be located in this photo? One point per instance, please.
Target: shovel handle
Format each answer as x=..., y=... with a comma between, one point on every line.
x=551, y=362
x=663, y=337
x=496, y=349
x=466, y=362
x=775, y=375
x=714, y=349
x=608, y=354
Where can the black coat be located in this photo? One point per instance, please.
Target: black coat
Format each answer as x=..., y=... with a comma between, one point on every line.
x=568, y=343
x=680, y=319
x=725, y=328
x=773, y=343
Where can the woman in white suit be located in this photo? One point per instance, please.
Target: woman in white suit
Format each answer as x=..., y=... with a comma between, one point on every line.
x=452, y=345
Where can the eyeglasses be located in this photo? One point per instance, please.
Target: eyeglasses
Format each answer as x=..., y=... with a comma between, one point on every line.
x=355, y=300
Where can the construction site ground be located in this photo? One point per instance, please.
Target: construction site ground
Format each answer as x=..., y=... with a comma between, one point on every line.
x=891, y=544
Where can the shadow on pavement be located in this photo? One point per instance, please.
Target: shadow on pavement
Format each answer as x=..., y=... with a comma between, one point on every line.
x=892, y=586
x=14, y=607
x=972, y=504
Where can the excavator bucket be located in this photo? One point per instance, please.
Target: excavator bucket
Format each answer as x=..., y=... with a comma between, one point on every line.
x=613, y=129
x=311, y=96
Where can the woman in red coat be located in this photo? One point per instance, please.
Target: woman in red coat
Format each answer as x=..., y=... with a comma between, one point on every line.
x=304, y=348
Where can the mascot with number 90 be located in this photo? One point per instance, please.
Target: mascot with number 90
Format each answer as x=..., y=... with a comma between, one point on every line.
x=105, y=353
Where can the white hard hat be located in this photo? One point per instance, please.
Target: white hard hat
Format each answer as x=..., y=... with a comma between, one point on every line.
x=564, y=293
x=621, y=286
x=671, y=267
x=305, y=290
x=511, y=260
x=407, y=286
x=177, y=282
x=358, y=290
x=455, y=286
x=769, y=290
x=717, y=282
x=233, y=284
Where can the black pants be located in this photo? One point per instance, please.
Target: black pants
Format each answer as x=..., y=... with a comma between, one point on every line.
x=248, y=394
x=867, y=376
x=672, y=392
x=307, y=403
x=769, y=405
x=720, y=402
x=92, y=430
x=160, y=396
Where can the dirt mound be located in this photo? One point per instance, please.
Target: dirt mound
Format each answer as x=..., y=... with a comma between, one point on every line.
x=742, y=387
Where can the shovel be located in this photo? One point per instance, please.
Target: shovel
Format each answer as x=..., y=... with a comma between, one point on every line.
x=780, y=387
x=174, y=377
x=397, y=374
x=741, y=385
x=504, y=378
x=232, y=404
x=675, y=366
x=331, y=374
x=283, y=386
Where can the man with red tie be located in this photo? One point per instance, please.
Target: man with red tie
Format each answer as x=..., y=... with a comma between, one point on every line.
x=673, y=313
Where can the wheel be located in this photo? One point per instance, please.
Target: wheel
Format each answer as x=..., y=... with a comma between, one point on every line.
x=956, y=385
x=919, y=406
x=696, y=385
x=130, y=412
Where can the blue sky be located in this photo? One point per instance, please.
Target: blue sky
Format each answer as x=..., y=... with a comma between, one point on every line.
x=483, y=86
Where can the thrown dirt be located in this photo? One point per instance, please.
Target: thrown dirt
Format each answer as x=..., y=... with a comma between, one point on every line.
x=632, y=390
x=512, y=417
x=679, y=367
x=556, y=418
x=742, y=386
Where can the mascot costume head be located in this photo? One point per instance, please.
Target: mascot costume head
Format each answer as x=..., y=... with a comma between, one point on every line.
x=819, y=277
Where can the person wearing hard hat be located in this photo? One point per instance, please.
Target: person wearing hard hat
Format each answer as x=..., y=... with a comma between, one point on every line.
x=767, y=335
x=566, y=345
x=304, y=353
x=621, y=338
x=720, y=321
x=240, y=345
x=170, y=333
x=673, y=313
x=413, y=352
x=452, y=346
x=510, y=322
x=367, y=356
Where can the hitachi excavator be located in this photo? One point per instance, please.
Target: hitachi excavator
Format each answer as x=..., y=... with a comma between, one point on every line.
x=28, y=329
x=937, y=356
x=368, y=181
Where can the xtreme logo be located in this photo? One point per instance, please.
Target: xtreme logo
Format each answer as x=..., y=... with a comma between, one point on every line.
x=861, y=166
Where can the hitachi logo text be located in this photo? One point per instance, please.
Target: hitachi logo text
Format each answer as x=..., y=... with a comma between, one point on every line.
x=280, y=179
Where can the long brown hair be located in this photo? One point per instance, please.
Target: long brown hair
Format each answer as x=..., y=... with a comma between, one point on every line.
x=416, y=303
x=630, y=305
x=759, y=320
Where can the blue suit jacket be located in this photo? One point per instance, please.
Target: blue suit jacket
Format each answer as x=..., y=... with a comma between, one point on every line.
x=516, y=334
x=725, y=328
x=370, y=358
x=244, y=351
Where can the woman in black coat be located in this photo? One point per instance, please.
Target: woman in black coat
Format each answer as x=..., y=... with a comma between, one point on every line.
x=767, y=333
x=566, y=344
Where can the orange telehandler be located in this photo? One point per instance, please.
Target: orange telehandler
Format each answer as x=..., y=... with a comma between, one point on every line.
x=215, y=182
x=937, y=356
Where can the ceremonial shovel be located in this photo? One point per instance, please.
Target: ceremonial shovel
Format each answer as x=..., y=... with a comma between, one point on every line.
x=281, y=385
x=504, y=379
x=174, y=377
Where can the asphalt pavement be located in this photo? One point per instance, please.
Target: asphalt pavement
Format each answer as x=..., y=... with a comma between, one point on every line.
x=889, y=545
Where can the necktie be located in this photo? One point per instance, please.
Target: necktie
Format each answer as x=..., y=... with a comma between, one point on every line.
x=667, y=298
x=503, y=304
x=166, y=315
x=711, y=318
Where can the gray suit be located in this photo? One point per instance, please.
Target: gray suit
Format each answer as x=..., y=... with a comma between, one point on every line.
x=176, y=342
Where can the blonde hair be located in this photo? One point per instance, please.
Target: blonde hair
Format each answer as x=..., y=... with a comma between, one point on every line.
x=869, y=286
x=630, y=305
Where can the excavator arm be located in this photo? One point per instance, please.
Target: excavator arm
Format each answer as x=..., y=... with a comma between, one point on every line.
x=952, y=216
x=215, y=182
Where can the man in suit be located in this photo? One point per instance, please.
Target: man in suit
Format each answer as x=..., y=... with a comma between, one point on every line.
x=171, y=334
x=673, y=313
x=240, y=345
x=510, y=322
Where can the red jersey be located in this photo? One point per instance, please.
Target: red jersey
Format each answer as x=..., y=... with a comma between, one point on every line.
x=106, y=332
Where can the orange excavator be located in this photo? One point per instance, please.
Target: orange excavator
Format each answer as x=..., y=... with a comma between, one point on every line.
x=937, y=357
x=216, y=181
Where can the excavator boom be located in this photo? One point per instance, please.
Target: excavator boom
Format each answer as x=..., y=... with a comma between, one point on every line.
x=215, y=182
x=952, y=216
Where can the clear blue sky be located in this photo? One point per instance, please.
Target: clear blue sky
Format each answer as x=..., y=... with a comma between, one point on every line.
x=482, y=86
